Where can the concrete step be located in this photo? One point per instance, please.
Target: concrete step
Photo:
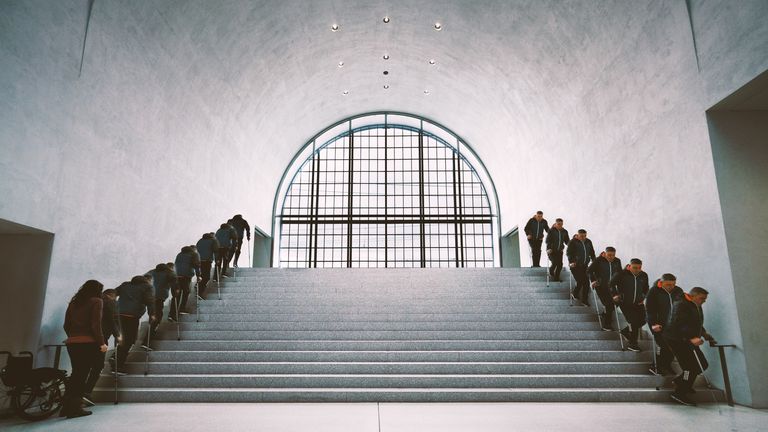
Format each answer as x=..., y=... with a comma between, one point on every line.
x=376, y=296
x=225, y=315
x=395, y=356
x=220, y=307
x=388, y=335
x=200, y=381
x=382, y=326
x=392, y=368
x=417, y=303
x=402, y=345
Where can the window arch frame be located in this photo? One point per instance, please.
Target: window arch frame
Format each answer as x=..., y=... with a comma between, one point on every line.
x=370, y=120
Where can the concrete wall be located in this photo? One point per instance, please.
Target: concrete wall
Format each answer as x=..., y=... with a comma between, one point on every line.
x=187, y=113
x=25, y=256
x=739, y=146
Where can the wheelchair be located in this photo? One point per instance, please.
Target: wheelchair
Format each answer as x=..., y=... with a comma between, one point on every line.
x=32, y=394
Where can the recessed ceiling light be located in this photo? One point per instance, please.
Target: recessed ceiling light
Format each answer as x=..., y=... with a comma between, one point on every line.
x=426, y=92
x=432, y=61
x=341, y=64
x=386, y=56
x=386, y=86
x=335, y=27
x=386, y=72
x=345, y=92
x=386, y=20
x=438, y=26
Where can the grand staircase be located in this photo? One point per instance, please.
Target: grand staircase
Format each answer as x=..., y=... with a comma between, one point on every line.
x=281, y=335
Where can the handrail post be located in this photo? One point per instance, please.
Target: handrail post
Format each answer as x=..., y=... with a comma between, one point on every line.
x=726, y=377
x=57, y=354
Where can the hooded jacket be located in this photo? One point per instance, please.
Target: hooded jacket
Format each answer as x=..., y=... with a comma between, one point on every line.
x=241, y=227
x=659, y=304
x=135, y=297
x=227, y=236
x=187, y=263
x=536, y=228
x=603, y=271
x=686, y=321
x=580, y=252
x=631, y=289
x=163, y=280
x=207, y=247
x=557, y=239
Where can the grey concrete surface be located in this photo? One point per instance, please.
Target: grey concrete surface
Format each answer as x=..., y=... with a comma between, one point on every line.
x=396, y=417
x=186, y=114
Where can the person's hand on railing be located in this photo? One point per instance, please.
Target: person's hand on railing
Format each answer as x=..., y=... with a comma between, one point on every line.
x=616, y=299
x=656, y=328
x=697, y=341
x=709, y=338
x=103, y=348
x=594, y=285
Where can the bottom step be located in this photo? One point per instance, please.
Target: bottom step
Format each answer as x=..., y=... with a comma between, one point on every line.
x=395, y=395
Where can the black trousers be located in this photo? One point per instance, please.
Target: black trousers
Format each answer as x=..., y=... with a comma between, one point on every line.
x=635, y=316
x=159, y=306
x=238, y=247
x=604, y=294
x=535, y=251
x=556, y=259
x=129, y=326
x=222, y=261
x=96, y=368
x=665, y=356
x=180, y=296
x=691, y=361
x=84, y=358
x=581, y=290
x=205, y=274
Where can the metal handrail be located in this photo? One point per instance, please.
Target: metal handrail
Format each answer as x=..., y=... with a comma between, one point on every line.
x=724, y=365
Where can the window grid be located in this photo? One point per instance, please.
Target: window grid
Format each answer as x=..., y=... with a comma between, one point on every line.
x=386, y=196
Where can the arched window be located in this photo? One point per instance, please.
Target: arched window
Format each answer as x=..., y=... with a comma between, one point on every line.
x=385, y=190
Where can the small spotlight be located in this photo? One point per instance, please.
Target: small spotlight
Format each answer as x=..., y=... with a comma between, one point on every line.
x=386, y=86
x=386, y=57
x=432, y=61
x=426, y=92
x=386, y=72
x=341, y=64
x=335, y=27
x=386, y=20
x=345, y=92
x=438, y=26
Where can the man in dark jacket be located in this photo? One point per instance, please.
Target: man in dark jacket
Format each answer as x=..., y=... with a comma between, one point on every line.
x=580, y=253
x=557, y=239
x=601, y=271
x=164, y=282
x=241, y=228
x=227, y=238
x=187, y=266
x=207, y=247
x=684, y=334
x=658, y=310
x=534, y=231
x=134, y=298
x=629, y=288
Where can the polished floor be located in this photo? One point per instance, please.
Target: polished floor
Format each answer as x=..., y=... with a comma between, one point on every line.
x=405, y=417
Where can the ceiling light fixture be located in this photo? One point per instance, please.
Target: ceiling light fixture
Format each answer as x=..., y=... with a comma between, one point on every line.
x=386, y=86
x=386, y=20
x=386, y=57
x=345, y=92
x=426, y=92
x=438, y=26
x=335, y=27
x=386, y=72
x=432, y=61
x=341, y=64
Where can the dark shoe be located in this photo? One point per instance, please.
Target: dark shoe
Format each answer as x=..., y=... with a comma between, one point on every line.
x=120, y=372
x=146, y=347
x=625, y=332
x=87, y=402
x=633, y=347
x=78, y=413
x=171, y=319
x=183, y=313
x=682, y=399
x=655, y=371
x=607, y=329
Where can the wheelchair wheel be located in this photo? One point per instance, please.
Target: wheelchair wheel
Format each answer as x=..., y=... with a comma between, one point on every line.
x=38, y=401
x=6, y=410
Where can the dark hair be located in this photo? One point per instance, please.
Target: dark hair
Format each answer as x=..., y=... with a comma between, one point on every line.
x=161, y=266
x=91, y=288
x=136, y=280
x=698, y=291
x=238, y=216
x=109, y=292
x=540, y=212
x=610, y=249
x=558, y=220
x=582, y=231
x=223, y=226
x=170, y=265
x=636, y=261
x=668, y=277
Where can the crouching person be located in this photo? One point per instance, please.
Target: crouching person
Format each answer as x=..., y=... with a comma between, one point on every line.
x=134, y=299
x=629, y=288
x=684, y=335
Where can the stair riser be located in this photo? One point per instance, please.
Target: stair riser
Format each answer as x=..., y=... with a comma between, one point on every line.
x=566, y=345
x=388, y=335
x=223, y=316
x=213, y=307
x=381, y=326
